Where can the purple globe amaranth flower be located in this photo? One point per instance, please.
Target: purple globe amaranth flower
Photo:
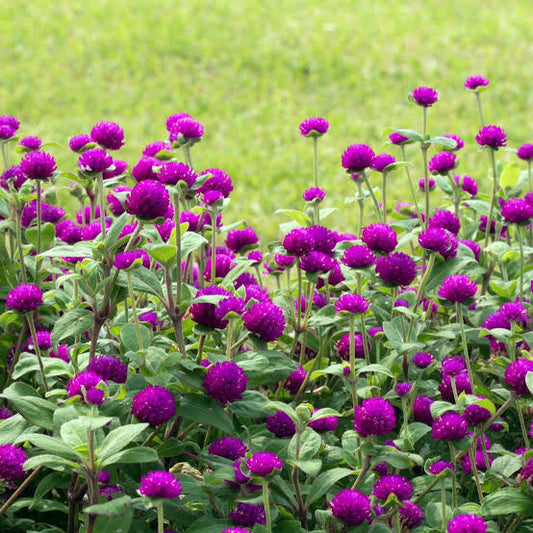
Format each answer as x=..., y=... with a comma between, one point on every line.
x=204, y=313
x=352, y=303
x=152, y=149
x=24, y=298
x=145, y=169
x=148, y=200
x=295, y=380
x=379, y=238
x=6, y=132
x=233, y=305
x=483, y=226
x=392, y=484
x=314, y=194
x=475, y=82
x=154, y=405
x=451, y=366
x=115, y=205
x=442, y=163
x=78, y=142
x=449, y=426
x=12, y=460
x=225, y=382
x=256, y=256
x=343, y=347
x=411, y=516
x=515, y=375
x=38, y=165
x=357, y=157
x=445, y=219
x=13, y=175
x=263, y=464
x=440, y=466
x=422, y=359
x=492, y=136
x=351, y=507
x=475, y=414
x=30, y=143
x=108, y=135
x=160, y=484
x=5, y=413
x=513, y=312
x=60, y=353
x=396, y=269
x=467, y=184
x=172, y=173
x=314, y=127
x=381, y=162
x=44, y=340
x=525, y=152
x=402, y=388
x=374, y=417
x=324, y=424
x=324, y=239
x=94, y=160
x=422, y=183
x=110, y=368
x=172, y=119
x=457, y=288
x=223, y=264
x=526, y=474
x=439, y=240
x=462, y=384
x=284, y=260
x=399, y=139
x=229, y=447
x=422, y=410
x=240, y=240
x=474, y=246
x=425, y=96
x=317, y=262
x=466, y=523
x=358, y=256
x=459, y=143
x=126, y=260
x=87, y=385
x=49, y=213
x=8, y=120
x=235, y=530
x=91, y=231
x=186, y=130
x=281, y=425
x=266, y=320
x=517, y=211
x=118, y=168
x=218, y=181
x=150, y=318
x=248, y=514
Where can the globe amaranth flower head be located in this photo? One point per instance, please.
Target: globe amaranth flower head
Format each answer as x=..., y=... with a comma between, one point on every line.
x=6, y=132
x=154, y=405
x=381, y=162
x=513, y=312
x=353, y=304
x=152, y=149
x=475, y=82
x=12, y=460
x=204, y=313
x=229, y=447
x=403, y=388
x=218, y=181
x=8, y=120
x=145, y=169
x=30, y=143
x=422, y=409
x=94, y=160
x=422, y=359
x=317, y=262
x=125, y=260
x=457, y=288
x=424, y=96
x=411, y=516
x=476, y=414
x=392, y=484
x=38, y=165
x=235, y=530
x=314, y=127
x=172, y=172
x=343, y=347
x=49, y=213
x=248, y=514
x=160, y=484
x=241, y=240
x=14, y=176
x=374, y=417
x=148, y=200
x=357, y=157
x=110, y=368
x=295, y=380
x=298, y=242
x=397, y=269
x=467, y=523
x=399, y=139
x=462, y=384
x=459, y=143
x=24, y=297
x=422, y=184
x=445, y=219
x=451, y=366
x=266, y=320
x=358, y=256
x=525, y=152
x=225, y=382
x=449, y=426
x=281, y=425
x=492, y=136
x=442, y=163
x=351, y=507
x=379, y=238
x=439, y=240
x=314, y=194
x=263, y=464
x=172, y=119
x=440, y=466
x=467, y=184
x=108, y=135
x=89, y=385
x=515, y=375
x=517, y=211
x=324, y=424
x=186, y=130
x=79, y=142
x=474, y=246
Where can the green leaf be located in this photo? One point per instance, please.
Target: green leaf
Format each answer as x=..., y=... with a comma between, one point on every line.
x=71, y=323
x=113, y=232
x=115, y=507
x=41, y=506
x=251, y=406
x=28, y=362
x=378, y=369
x=140, y=454
x=507, y=465
x=163, y=253
x=205, y=410
x=529, y=381
x=30, y=405
x=301, y=218
x=115, y=524
x=444, y=141
x=190, y=242
x=49, y=482
x=311, y=466
x=128, y=336
x=438, y=408
x=507, y=501
x=281, y=406
x=51, y=461
x=265, y=366
x=325, y=481
x=310, y=443
x=11, y=428
x=48, y=234
x=510, y=175
x=410, y=134
x=55, y=446
x=143, y=281
x=118, y=439
x=323, y=413
x=75, y=250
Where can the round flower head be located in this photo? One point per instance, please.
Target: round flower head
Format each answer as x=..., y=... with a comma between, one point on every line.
x=94, y=160
x=475, y=82
x=324, y=239
x=402, y=388
x=422, y=359
x=396, y=269
x=86, y=384
x=491, y=136
x=108, y=135
x=411, y=516
x=343, y=347
x=517, y=211
x=449, y=426
x=145, y=169
x=219, y=181
x=110, y=368
x=12, y=122
x=459, y=143
x=25, y=297
x=239, y=240
x=467, y=523
x=475, y=414
x=440, y=466
x=392, y=484
x=374, y=417
x=148, y=200
x=204, y=313
x=399, y=139
x=38, y=165
x=422, y=184
x=425, y=96
x=351, y=507
x=235, y=530
x=78, y=142
x=324, y=424
x=281, y=425
x=248, y=514
x=154, y=405
x=515, y=375
x=446, y=220
x=225, y=382
x=171, y=173
x=115, y=205
x=439, y=240
x=457, y=288
x=442, y=163
x=317, y=262
x=186, y=130
x=351, y=303
x=467, y=184
x=150, y=318
x=223, y=264
x=474, y=246
x=263, y=464
x=298, y=242
x=314, y=127
x=514, y=312
x=265, y=320
x=160, y=484
x=172, y=119
x=30, y=143
x=6, y=132
x=358, y=256
x=229, y=447
x=357, y=157
x=481, y=463
x=422, y=410
x=295, y=380
x=462, y=384
x=152, y=149
x=5, y=413
x=49, y=213
x=14, y=176
x=12, y=460
x=381, y=162
x=379, y=238
x=451, y=366
x=125, y=260
x=314, y=194
x=525, y=152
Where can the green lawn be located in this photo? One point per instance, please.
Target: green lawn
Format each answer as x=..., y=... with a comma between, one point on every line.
x=250, y=71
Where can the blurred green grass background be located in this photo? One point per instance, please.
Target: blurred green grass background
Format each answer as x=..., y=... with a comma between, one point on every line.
x=251, y=71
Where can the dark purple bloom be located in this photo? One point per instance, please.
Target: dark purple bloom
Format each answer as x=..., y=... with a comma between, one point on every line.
x=526, y=474
x=474, y=82
x=449, y=426
x=324, y=239
x=381, y=162
x=14, y=175
x=148, y=200
x=248, y=514
x=399, y=139
x=352, y=303
x=314, y=193
x=150, y=318
x=78, y=142
x=160, y=484
x=442, y=163
x=25, y=297
x=475, y=414
x=425, y=96
x=256, y=256
x=6, y=132
x=30, y=143
x=38, y=165
x=49, y=213
x=205, y=313
x=115, y=205
x=525, y=152
x=467, y=523
x=343, y=347
x=326, y=423
x=515, y=375
x=125, y=260
x=91, y=231
x=411, y=516
x=492, y=136
x=44, y=340
x=422, y=359
x=422, y=183
x=517, y=211
x=152, y=149
x=239, y=240
x=60, y=353
x=12, y=460
x=295, y=380
x=462, y=384
x=8, y=120
x=358, y=256
x=439, y=240
x=314, y=127
x=284, y=260
x=263, y=464
x=108, y=135
x=235, y=530
x=459, y=143
x=223, y=264
x=467, y=183
x=185, y=130
x=87, y=385
x=357, y=157
x=172, y=172
x=265, y=320
x=402, y=388
x=513, y=312
x=474, y=246
x=483, y=226
x=172, y=119
x=145, y=169
x=118, y=167
x=439, y=466
x=154, y=405
x=218, y=181
x=451, y=366
x=379, y=238
x=229, y=447
x=317, y=262
x=351, y=507
x=457, y=288
x=374, y=417
x=281, y=425
x=225, y=382
x=5, y=413
x=230, y=305
x=422, y=410
x=392, y=484
x=94, y=160
x=396, y=269
x=110, y=368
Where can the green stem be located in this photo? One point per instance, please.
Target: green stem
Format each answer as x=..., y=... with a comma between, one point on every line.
x=372, y=195
x=160, y=518
x=522, y=422
x=454, y=476
x=352, y=360
x=187, y=154
x=176, y=202
x=315, y=160
x=365, y=343
x=460, y=318
x=480, y=109
x=18, y=237
x=266, y=505
x=39, y=221
x=229, y=333
x=443, y=503
x=31, y=323
x=411, y=186
x=361, y=203
x=419, y=295
x=134, y=311
x=492, y=198
x=101, y=196
x=424, y=149
x=213, y=214
x=472, y=454
x=384, y=192
x=521, y=247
